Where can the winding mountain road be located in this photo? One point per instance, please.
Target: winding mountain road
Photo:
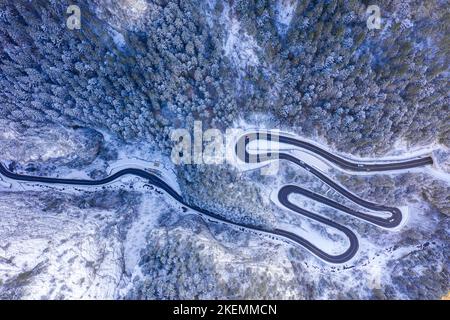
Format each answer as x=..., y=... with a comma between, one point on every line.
x=392, y=221
x=283, y=195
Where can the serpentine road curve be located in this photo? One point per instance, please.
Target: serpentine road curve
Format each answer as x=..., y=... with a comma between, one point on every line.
x=283, y=195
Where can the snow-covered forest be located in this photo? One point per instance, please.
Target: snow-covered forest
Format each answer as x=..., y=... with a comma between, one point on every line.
x=76, y=102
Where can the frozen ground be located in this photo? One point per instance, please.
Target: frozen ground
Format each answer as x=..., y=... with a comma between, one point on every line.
x=94, y=242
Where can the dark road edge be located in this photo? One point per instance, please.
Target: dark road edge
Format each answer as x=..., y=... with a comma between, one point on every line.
x=393, y=221
x=159, y=183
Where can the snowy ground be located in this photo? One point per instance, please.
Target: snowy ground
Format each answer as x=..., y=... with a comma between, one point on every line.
x=285, y=10
x=72, y=252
